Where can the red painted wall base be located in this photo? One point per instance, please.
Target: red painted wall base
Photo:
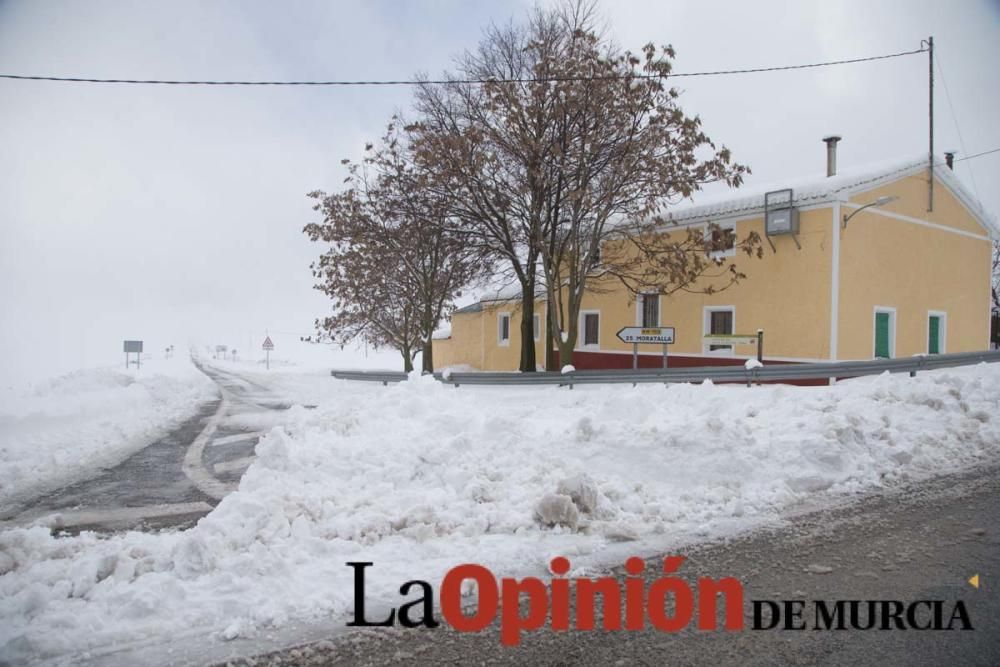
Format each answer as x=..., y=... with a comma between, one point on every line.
x=613, y=361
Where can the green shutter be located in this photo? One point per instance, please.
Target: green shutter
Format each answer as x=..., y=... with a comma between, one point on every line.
x=934, y=335
x=882, y=335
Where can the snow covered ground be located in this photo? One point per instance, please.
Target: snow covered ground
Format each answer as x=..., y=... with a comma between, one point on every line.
x=419, y=477
x=69, y=427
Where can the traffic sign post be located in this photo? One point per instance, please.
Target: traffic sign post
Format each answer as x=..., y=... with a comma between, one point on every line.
x=647, y=335
x=267, y=347
x=133, y=346
x=739, y=339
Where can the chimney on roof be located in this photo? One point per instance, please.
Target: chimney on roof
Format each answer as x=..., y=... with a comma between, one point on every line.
x=831, y=154
x=949, y=159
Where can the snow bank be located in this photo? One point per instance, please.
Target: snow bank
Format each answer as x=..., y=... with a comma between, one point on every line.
x=420, y=476
x=69, y=427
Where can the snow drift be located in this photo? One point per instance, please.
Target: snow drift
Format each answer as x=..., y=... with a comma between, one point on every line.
x=419, y=477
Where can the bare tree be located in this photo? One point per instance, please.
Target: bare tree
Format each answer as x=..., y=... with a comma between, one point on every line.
x=488, y=146
x=394, y=266
x=566, y=158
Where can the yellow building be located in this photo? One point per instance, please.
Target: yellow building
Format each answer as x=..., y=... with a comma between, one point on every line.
x=896, y=280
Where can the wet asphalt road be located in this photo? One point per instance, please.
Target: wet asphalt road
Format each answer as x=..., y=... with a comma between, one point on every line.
x=921, y=542
x=170, y=483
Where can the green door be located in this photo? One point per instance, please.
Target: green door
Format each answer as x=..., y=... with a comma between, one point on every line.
x=934, y=335
x=882, y=335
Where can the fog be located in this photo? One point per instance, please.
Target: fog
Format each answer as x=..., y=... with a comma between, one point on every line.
x=173, y=214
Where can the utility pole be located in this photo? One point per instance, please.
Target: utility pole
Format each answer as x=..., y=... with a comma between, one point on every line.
x=930, y=122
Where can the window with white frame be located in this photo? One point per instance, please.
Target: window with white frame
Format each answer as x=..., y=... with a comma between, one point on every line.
x=590, y=328
x=719, y=321
x=884, y=333
x=536, y=323
x=649, y=310
x=503, y=329
x=722, y=239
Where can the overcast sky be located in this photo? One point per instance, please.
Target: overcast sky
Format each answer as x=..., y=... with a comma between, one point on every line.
x=175, y=213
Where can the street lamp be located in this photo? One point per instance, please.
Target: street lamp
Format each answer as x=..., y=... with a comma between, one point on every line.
x=881, y=201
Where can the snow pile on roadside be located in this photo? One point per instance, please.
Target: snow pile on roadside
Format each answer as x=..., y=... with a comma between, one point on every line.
x=73, y=425
x=419, y=477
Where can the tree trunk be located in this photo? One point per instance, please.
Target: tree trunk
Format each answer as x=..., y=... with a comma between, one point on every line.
x=550, y=357
x=572, y=327
x=566, y=349
x=407, y=359
x=528, y=361
x=427, y=358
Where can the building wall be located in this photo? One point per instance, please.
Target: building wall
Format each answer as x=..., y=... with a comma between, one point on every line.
x=884, y=261
x=913, y=268
x=475, y=340
x=464, y=347
x=786, y=293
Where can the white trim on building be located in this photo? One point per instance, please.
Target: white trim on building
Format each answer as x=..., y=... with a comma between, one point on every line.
x=706, y=329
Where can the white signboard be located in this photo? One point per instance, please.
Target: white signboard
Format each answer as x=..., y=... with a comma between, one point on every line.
x=725, y=339
x=658, y=335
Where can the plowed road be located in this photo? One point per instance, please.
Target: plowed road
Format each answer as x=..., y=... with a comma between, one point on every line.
x=170, y=483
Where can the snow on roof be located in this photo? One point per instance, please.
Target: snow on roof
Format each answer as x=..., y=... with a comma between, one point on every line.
x=471, y=308
x=512, y=292
x=443, y=333
x=821, y=189
x=806, y=191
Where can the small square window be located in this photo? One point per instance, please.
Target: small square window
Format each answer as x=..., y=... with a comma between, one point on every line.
x=650, y=310
x=719, y=321
x=591, y=329
x=503, y=329
x=722, y=240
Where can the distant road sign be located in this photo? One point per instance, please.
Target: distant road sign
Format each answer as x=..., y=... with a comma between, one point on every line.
x=658, y=335
x=133, y=346
x=730, y=339
x=268, y=345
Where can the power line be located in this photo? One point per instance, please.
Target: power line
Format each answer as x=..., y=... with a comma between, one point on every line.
x=969, y=157
x=954, y=118
x=414, y=82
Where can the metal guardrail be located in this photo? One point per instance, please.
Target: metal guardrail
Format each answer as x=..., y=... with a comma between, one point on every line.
x=385, y=377
x=697, y=374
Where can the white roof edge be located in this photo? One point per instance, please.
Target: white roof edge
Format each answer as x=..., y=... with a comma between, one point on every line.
x=839, y=188
x=947, y=177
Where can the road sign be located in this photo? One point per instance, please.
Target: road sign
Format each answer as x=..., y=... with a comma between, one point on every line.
x=267, y=347
x=657, y=335
x=133, y=347
x=730, y=339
